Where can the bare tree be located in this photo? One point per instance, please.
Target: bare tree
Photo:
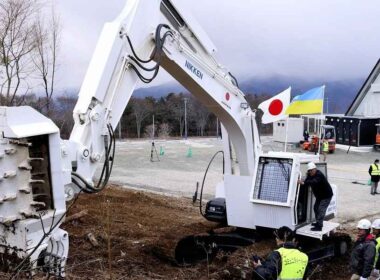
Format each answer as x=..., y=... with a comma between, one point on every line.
x=199, y=114
x=164, y=130
x=148, y=132
x=141, y=109
x=16, y=43
x=63, y=113
x=176, y=105
x=45, y=55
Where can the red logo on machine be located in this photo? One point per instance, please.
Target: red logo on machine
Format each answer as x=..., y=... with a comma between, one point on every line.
x=275, y=107
x=227, y=96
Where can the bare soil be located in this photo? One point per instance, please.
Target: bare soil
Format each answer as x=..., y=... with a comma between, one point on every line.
x=143, y=229
x=138, y=231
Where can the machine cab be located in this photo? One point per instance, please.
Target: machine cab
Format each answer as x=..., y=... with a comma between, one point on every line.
x=328, y=132
x=280, y=200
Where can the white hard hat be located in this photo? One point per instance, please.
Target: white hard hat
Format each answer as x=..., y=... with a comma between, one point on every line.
x=311, y=165
x=364, y=224
x=376, y=224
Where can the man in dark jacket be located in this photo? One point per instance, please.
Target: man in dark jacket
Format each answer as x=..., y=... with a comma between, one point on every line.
x=376, y=233
x=322, y=192
x=374, y=171
x=306, y=135
x=285, y=263
x=363, y=252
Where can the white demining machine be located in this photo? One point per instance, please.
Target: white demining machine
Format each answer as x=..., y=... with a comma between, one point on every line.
x=40, y=172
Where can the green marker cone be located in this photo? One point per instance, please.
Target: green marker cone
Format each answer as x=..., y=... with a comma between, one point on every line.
x=189, y=153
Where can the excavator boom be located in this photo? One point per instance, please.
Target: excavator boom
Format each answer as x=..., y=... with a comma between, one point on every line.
x=42, y=171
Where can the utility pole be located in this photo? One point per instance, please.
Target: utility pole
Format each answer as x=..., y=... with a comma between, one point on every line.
x=153, y=129
x=153, y=150
x=327, y=105
x=185, y=100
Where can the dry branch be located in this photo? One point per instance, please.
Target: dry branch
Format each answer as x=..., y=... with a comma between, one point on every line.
x=76, y=216
x=91, y=237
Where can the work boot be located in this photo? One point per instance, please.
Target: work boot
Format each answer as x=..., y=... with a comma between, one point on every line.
x=316, y=228
x=314, y=224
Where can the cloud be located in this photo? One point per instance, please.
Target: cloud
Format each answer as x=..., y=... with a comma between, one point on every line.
x=82, y=22
x=307, y=39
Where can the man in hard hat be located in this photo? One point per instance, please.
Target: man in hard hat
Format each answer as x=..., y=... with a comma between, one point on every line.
x=363, y=252
x=374, y=171
x=322, y=192
x=287, y=262
x=376, y=232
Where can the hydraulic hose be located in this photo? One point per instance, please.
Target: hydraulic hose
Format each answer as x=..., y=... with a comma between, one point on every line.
x=204, y=179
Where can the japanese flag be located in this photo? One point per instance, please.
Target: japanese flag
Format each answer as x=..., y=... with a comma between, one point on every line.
x=275, y=107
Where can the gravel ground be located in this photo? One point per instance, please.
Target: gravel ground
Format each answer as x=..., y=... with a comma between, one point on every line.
x=176, y=173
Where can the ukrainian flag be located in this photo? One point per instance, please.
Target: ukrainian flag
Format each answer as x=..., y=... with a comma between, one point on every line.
x=311, y=102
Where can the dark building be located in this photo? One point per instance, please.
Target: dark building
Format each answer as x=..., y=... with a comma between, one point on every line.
x=358, y=126
x=354, y=131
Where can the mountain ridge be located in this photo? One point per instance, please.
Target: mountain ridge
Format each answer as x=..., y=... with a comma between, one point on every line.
x=339, y=94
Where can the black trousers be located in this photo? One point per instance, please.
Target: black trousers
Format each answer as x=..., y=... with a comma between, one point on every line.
x=320, y=208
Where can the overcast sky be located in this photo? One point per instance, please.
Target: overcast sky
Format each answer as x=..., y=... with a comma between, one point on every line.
x=328, y=39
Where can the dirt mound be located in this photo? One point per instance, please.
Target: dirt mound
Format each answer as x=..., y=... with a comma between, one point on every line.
x=136, y=233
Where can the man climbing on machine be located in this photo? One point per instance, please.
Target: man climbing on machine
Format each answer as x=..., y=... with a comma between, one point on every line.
x=322, y=192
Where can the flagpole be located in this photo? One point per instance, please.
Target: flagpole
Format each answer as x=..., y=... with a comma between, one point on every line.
x=320, y=121
x=286, y=129
x=286, y=133
x=323, y=99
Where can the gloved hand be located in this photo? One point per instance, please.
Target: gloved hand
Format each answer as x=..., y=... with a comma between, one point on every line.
x=362, y=278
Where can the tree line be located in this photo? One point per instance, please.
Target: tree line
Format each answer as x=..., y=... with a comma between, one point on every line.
x=176, y=115
x=168, y=112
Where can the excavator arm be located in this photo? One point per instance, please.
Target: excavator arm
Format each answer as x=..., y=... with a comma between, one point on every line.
x=41, y=171
x=132, y=48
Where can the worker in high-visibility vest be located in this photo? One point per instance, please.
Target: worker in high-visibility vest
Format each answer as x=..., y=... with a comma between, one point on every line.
x=376, y=232
x=287, y=262
x=374, y=171
x=325, y=149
